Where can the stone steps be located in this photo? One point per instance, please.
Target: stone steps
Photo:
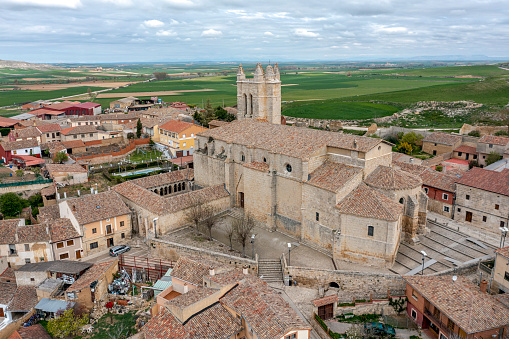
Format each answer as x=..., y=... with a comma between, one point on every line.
x=270, y=270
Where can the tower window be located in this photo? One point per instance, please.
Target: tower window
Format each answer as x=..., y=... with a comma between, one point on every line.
x=288, y=168
x=317, y=216
x=371, y=231
x=264, y=159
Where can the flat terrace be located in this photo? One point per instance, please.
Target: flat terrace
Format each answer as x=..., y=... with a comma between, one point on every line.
x=445, y=249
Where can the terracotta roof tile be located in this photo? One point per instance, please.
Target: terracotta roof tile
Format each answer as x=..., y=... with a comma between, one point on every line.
x=491, y=181
x=62, y=229
x=442, y=138
x=192, y=271
x=7, y=290
x=466, y=149
x=164, y=178
x=73, y=143
x=47, y=213
x=95, y=207
x=287, y=140
x=70, y=168
x=439, y=180
x=258, y=166
x=410, y=168
x=391, y=178
x=218, y=123
x=83, y=129
x=504, y=252
x=191, y=297
x=332, y=176
x=492, y=139
x=92, y=274
x=178, y=126
x=15, y=145
x=49, y=128
x=325, y=300
x=25, y=234
x=366, y=202
x=462, y=302
x=8, y=276
x=29, y=132
x=8, y=122
x=32, y=332
x=24, y=299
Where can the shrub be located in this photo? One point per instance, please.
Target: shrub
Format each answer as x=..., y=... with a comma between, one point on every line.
x=501, y=133
x=475, y=134
x=439, y=168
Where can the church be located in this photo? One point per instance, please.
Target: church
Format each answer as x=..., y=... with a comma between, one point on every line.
x=335, y=192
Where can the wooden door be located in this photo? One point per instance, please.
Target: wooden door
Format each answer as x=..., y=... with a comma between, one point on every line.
x=78, y=254
x=326, y=311
x=109, y=242
x=2, y=315
x=241, y=199
x=468, y=217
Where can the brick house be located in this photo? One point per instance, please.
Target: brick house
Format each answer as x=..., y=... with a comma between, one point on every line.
x=445, y=307
x=103, y=220
x=179, y=137
x=491, y=143
x=482, y=198
x=439, y=143
x=85, y=120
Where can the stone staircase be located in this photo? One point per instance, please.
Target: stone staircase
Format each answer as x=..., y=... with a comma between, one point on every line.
x=270, y=270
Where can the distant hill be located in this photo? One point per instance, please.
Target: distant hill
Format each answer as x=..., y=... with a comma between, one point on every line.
x=25, y=65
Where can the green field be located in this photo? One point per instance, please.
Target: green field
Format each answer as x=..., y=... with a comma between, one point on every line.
x=17, y=97
x=329, y=109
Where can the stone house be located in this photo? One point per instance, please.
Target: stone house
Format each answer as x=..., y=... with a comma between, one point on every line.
x=123, y=104
x=50, y=132
x=64, y=270
x=500, y=271
x=70, y=174
x=119, y=118
x=161, y=202
x=103, y=220
x=218, y=302
x=439, y=143
x=84, y=133
x=465, y=152
x=482, y=198
x=93, y=284
x=490, y=143
x=85, y=120
x=28, y=133
x=448, y=307
x=23, y=244
x=178, y=136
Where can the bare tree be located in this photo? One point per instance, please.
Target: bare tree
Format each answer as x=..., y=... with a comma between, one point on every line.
x=209, y=218
x=355, y=332
x=195, y=213
x=118, y=331
x=243, y=228
x=230, y=233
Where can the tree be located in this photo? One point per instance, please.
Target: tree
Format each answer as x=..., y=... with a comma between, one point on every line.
x=243, y=228
x=492, y=158
x=195, y=213
x=11, y=204
x=160, y=75
x=439, y=168
x=37, y=171
x=130, y=135
x=398, y=304
x=20, y=173
x=355, y=332
x=230, y=233
x=139, y=129
x=60, y=157
x=151, y=143
x=501, y=133
x=405, y=147
x=412, y=138
x=209, y=218
x=66, y=324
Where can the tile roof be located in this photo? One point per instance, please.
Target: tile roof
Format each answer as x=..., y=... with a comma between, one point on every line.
x=88, y=105
x=73, y=143
x=120, y=116
x=503, y=251
x=31, y=332
x=164, y=178
x=492, y=139
x=258, y=166
x=84, y=117
x=62, y=229
x=63, y=105
x=8, y=122
x=178, y=126
x=466, y=149
x=29, y=132
x=191, y=297
x=391, y=178
x=439, y=180
x=325, y=300
x=7, y=290
x=24, y=299
x=491, y=181
x=58, y=266
x=49, y=128
x=92, y=274
x=462, y=302
x=47, y=213
x=269, y=315
x=95, y=207
x=442, y=138
x=227, y=278
x=8, y=276
x=192, y=271
x=15, y=145
x=83, y=129
x=366, y=202
x=70, y=168
x=214, y=322
x=410, y=168
x=218, y=123
x=287, y=140
x=332, y=176
x=25, y=234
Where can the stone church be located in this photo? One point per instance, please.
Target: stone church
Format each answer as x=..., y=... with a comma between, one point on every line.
x=335, y=192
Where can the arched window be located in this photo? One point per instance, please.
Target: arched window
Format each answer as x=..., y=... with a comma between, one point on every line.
x=264, y=159
x=161, y=192
x=288, y=168
x=251, y=102
x=205, y=149
x=156, y=191
x=245, y=105
x=179, y=187
x=334, y=284
x=401, y=200
x=371, y=231
x=165, y=190
x=242, y=157
x=169, y=189
x=175, y=188
x=183, y=186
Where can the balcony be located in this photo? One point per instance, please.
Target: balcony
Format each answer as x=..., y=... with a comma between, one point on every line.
x=443, y=327
x=487, y=266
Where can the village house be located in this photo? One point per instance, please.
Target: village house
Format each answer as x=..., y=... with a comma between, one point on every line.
x=482, y=198
x=452, y=307
x=84, y=133
x=66, y=271
x=491, y=144
x=123, y=104
x=151, y=127
x=161, y=202
x=500, y=271
x=50, y=132
x=8, y=122
x=465, y=152
x=178, y=136
x=71, y=174
x=35, y=104
x=85, y=120
x=232, y=304
x=103, y=220
x=29, y=133
x=34, y=331
x=439, y=143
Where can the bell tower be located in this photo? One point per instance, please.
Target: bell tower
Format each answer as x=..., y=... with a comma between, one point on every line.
x=259, y=97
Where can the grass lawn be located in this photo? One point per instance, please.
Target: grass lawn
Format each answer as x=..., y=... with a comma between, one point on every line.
x=138, y=156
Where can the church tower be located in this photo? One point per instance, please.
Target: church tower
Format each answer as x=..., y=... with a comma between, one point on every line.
x=259, y=97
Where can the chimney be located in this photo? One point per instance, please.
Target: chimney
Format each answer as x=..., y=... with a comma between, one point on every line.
x=354, y=143
x=484, y=286
x=212, y=272
x=244, y=269
x=186, y=288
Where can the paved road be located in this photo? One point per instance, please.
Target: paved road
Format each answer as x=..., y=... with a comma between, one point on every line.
x=105, y=256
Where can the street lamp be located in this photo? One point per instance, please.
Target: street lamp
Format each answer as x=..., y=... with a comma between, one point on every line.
x=504, y=231
x=252, y=245
x=289, y=251
x=423, y=257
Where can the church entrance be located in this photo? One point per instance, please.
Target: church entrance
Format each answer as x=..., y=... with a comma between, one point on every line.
x=241, y=199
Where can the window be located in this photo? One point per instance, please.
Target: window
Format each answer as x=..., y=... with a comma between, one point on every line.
x=27, y=247
x=12, y=249
x=371, y=231
x=502, y=224
x=242, y=157
x=184, y=145
x=484, y=218
x=94, y=230
x=401, y=201
x=426, y=190
x=64, y=256
x=436, y=313
x=459, y=209
x=94, y=245
x=467, y=197
x=475, y=156
x=109, y=229
x=317, y=216
x=75, y=137
x=32, y=279
x=288, y=168
x=70, y=242
x=121, y=223
x=122, y=235
x=491, y=146
x=60, y=244
x=445, y=196
x=497, y=206
x=414, y=295
x=446, y=209
x=291, y=336
x=83, y=135
x=91, y=134
x=183, y=136
x=506, y=276
x=434, y=152
x=192, y=135
x=459, y=154
x=264, y=159
x=27, y=261
x=414, y=314
x=450, y=324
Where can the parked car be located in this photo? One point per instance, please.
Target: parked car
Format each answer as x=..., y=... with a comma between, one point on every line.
x=379, y=329
x=116, y=250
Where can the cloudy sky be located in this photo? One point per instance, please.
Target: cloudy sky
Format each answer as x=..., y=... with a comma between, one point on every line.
x=240, y=30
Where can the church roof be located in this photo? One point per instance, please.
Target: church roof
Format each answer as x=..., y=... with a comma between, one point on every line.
x=287, y=140
x=332, y=176
x=385, y=177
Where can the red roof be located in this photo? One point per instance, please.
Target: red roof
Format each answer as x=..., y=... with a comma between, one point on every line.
x=492, y=139
x=43, y=111
x=63, y=105
x=49, y=128
x=8, y=122
x=492, y=181
x=458, y=161
x=182, y=160
x=67, y=130
x=466, y=149
x=176, y=126
x=29, y=160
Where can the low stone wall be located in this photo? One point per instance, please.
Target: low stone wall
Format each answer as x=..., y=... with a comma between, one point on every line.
x=381, y=307
x=23, y=188
x=8, y=330
x=437, y=159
